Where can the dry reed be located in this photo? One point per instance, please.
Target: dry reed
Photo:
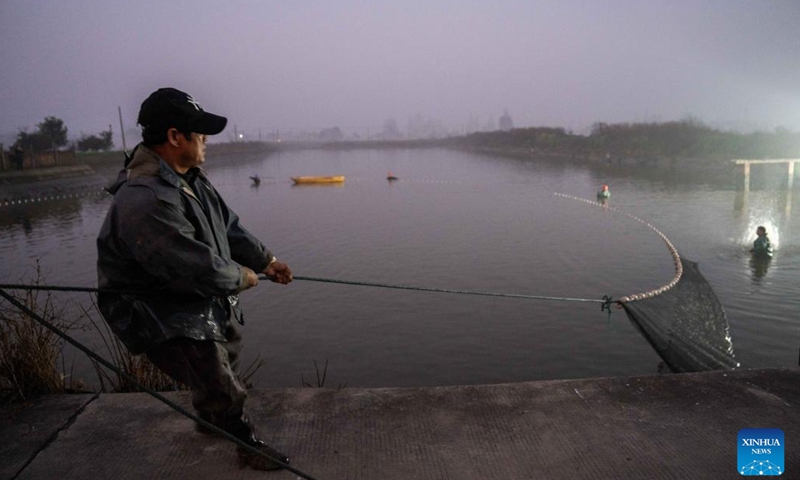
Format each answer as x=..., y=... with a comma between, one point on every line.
x=31, y=355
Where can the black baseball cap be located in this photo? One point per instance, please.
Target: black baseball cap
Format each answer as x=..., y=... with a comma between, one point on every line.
x=169, y=107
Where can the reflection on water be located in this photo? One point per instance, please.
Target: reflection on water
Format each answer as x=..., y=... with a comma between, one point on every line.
x=764, y=210
x=760, y=265
x=466, y=222
x=59, y=233
x=770, y=205
x=772, y=210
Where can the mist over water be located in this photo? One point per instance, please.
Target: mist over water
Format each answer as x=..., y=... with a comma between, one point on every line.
x=379, y=69
x=469, y=222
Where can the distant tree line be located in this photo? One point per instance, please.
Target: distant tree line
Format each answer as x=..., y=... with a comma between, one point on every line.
x=51, y=134
x=687, y=138
x=94, y=143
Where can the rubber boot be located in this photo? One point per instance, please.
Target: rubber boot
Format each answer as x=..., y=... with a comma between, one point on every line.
x=243, y=429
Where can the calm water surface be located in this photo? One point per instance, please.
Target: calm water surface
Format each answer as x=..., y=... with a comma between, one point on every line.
x=460, y=221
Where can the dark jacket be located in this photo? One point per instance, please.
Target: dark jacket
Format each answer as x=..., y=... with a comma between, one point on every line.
x=175, y=248
x=762, y=247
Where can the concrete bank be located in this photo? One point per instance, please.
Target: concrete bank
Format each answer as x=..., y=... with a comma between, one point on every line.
x=653, y=427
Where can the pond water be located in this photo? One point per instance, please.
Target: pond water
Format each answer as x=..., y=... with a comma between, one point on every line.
x=462, y=221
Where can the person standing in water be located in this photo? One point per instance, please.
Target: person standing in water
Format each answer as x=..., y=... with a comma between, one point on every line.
x=603, y=195
x=761, y=246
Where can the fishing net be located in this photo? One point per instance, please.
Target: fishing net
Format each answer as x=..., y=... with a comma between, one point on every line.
x=683, y=320
x=685, y=324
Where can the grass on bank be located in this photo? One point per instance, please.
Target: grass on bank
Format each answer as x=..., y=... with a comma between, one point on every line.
x=31, y=356
x=32, y=360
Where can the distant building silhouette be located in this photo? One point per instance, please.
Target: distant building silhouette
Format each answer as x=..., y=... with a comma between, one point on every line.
x=505, y=121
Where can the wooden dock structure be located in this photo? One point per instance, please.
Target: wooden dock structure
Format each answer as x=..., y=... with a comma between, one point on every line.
x=746, y=163
x=741, y=199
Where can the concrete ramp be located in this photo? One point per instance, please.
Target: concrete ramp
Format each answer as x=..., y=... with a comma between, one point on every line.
x=653, y=427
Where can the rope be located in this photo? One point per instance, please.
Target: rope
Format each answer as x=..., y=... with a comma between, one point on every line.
x=99, y=359
x=21, y=200
x=673, y=251
x=605, y=301
x=58, y=288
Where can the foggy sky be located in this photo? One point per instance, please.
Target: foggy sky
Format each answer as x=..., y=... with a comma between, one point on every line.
x=304, y=65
